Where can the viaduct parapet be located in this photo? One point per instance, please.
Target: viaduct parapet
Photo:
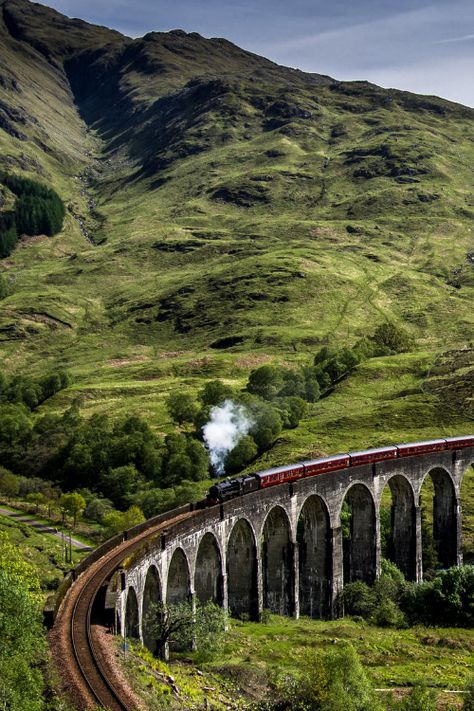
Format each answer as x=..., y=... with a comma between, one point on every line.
x=283, y=548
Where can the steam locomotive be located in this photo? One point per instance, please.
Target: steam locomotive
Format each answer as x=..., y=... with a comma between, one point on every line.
x=238, y=486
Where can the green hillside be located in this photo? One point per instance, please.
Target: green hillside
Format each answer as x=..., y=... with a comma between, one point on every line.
x=224, y=212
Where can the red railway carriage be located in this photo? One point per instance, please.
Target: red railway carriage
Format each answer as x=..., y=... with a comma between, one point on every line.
x=459, y=442
x=368, y=456
x=326, y=464
x=413, y=448
x=278, y=475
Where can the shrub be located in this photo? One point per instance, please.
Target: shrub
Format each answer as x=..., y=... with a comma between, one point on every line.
x=420, y=698
x=468, y=704
x=5, y=283
x=388, y=614
x=335, y=682
x=358, y=599
x=389, y=338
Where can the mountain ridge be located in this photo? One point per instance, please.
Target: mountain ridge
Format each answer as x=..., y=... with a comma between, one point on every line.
x=237, y=211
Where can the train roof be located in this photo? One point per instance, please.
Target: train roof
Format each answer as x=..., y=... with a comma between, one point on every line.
x=374, y=450
x=423, y=443
x=322, y=460
x=277, y=470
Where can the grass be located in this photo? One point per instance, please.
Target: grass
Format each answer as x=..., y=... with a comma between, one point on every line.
x=254, y=655
x=42, y=550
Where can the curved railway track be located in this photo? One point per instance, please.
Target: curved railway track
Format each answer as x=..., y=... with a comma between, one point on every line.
x=74, y=648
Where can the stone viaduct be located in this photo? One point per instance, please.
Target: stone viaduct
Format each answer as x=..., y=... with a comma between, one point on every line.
x=282, y=548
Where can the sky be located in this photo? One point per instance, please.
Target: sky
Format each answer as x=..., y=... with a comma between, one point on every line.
x=425, y=46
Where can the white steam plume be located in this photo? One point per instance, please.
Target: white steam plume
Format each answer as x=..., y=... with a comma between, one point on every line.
x=228, y=423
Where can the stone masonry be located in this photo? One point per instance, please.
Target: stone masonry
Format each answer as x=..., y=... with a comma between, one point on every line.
x=282, y=548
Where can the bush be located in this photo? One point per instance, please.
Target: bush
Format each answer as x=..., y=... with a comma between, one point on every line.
x=335, y=682
x=388, y=614
x=358, y=599
x=468, y=704
x=420, y=698
x=389, y=338
x=5, y=283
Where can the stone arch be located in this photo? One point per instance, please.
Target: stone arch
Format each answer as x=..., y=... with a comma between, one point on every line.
x=401, y=544
x=208, y=571
x=242, y=571
x=360, y=547
x=132, y=620
x=151, y=599
x=314, y=556
x=178, y=585
x=278, y=563
x=445, y=516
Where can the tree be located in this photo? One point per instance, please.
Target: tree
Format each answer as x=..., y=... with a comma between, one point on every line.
x=21, y=639
x=182, y=407
x=96, y=509
x=242, y=454
x=267, y=426
x=37, y=498
x=215, y=392
x=72, y=504
x=324, y=354
x=12, y=562
x=118, y=521
x=9, y=483
x=21, y=647
x=121, y=483
x=265, y=381
x=291, y=409
x=199, y=460
x=178, y=467
x=389, y=338
x=293, y=384
x=182, y=624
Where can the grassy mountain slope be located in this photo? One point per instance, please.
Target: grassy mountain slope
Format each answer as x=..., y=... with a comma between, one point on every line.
x=223, y=212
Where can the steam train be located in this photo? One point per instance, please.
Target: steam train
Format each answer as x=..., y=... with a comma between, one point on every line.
x=238, y=486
